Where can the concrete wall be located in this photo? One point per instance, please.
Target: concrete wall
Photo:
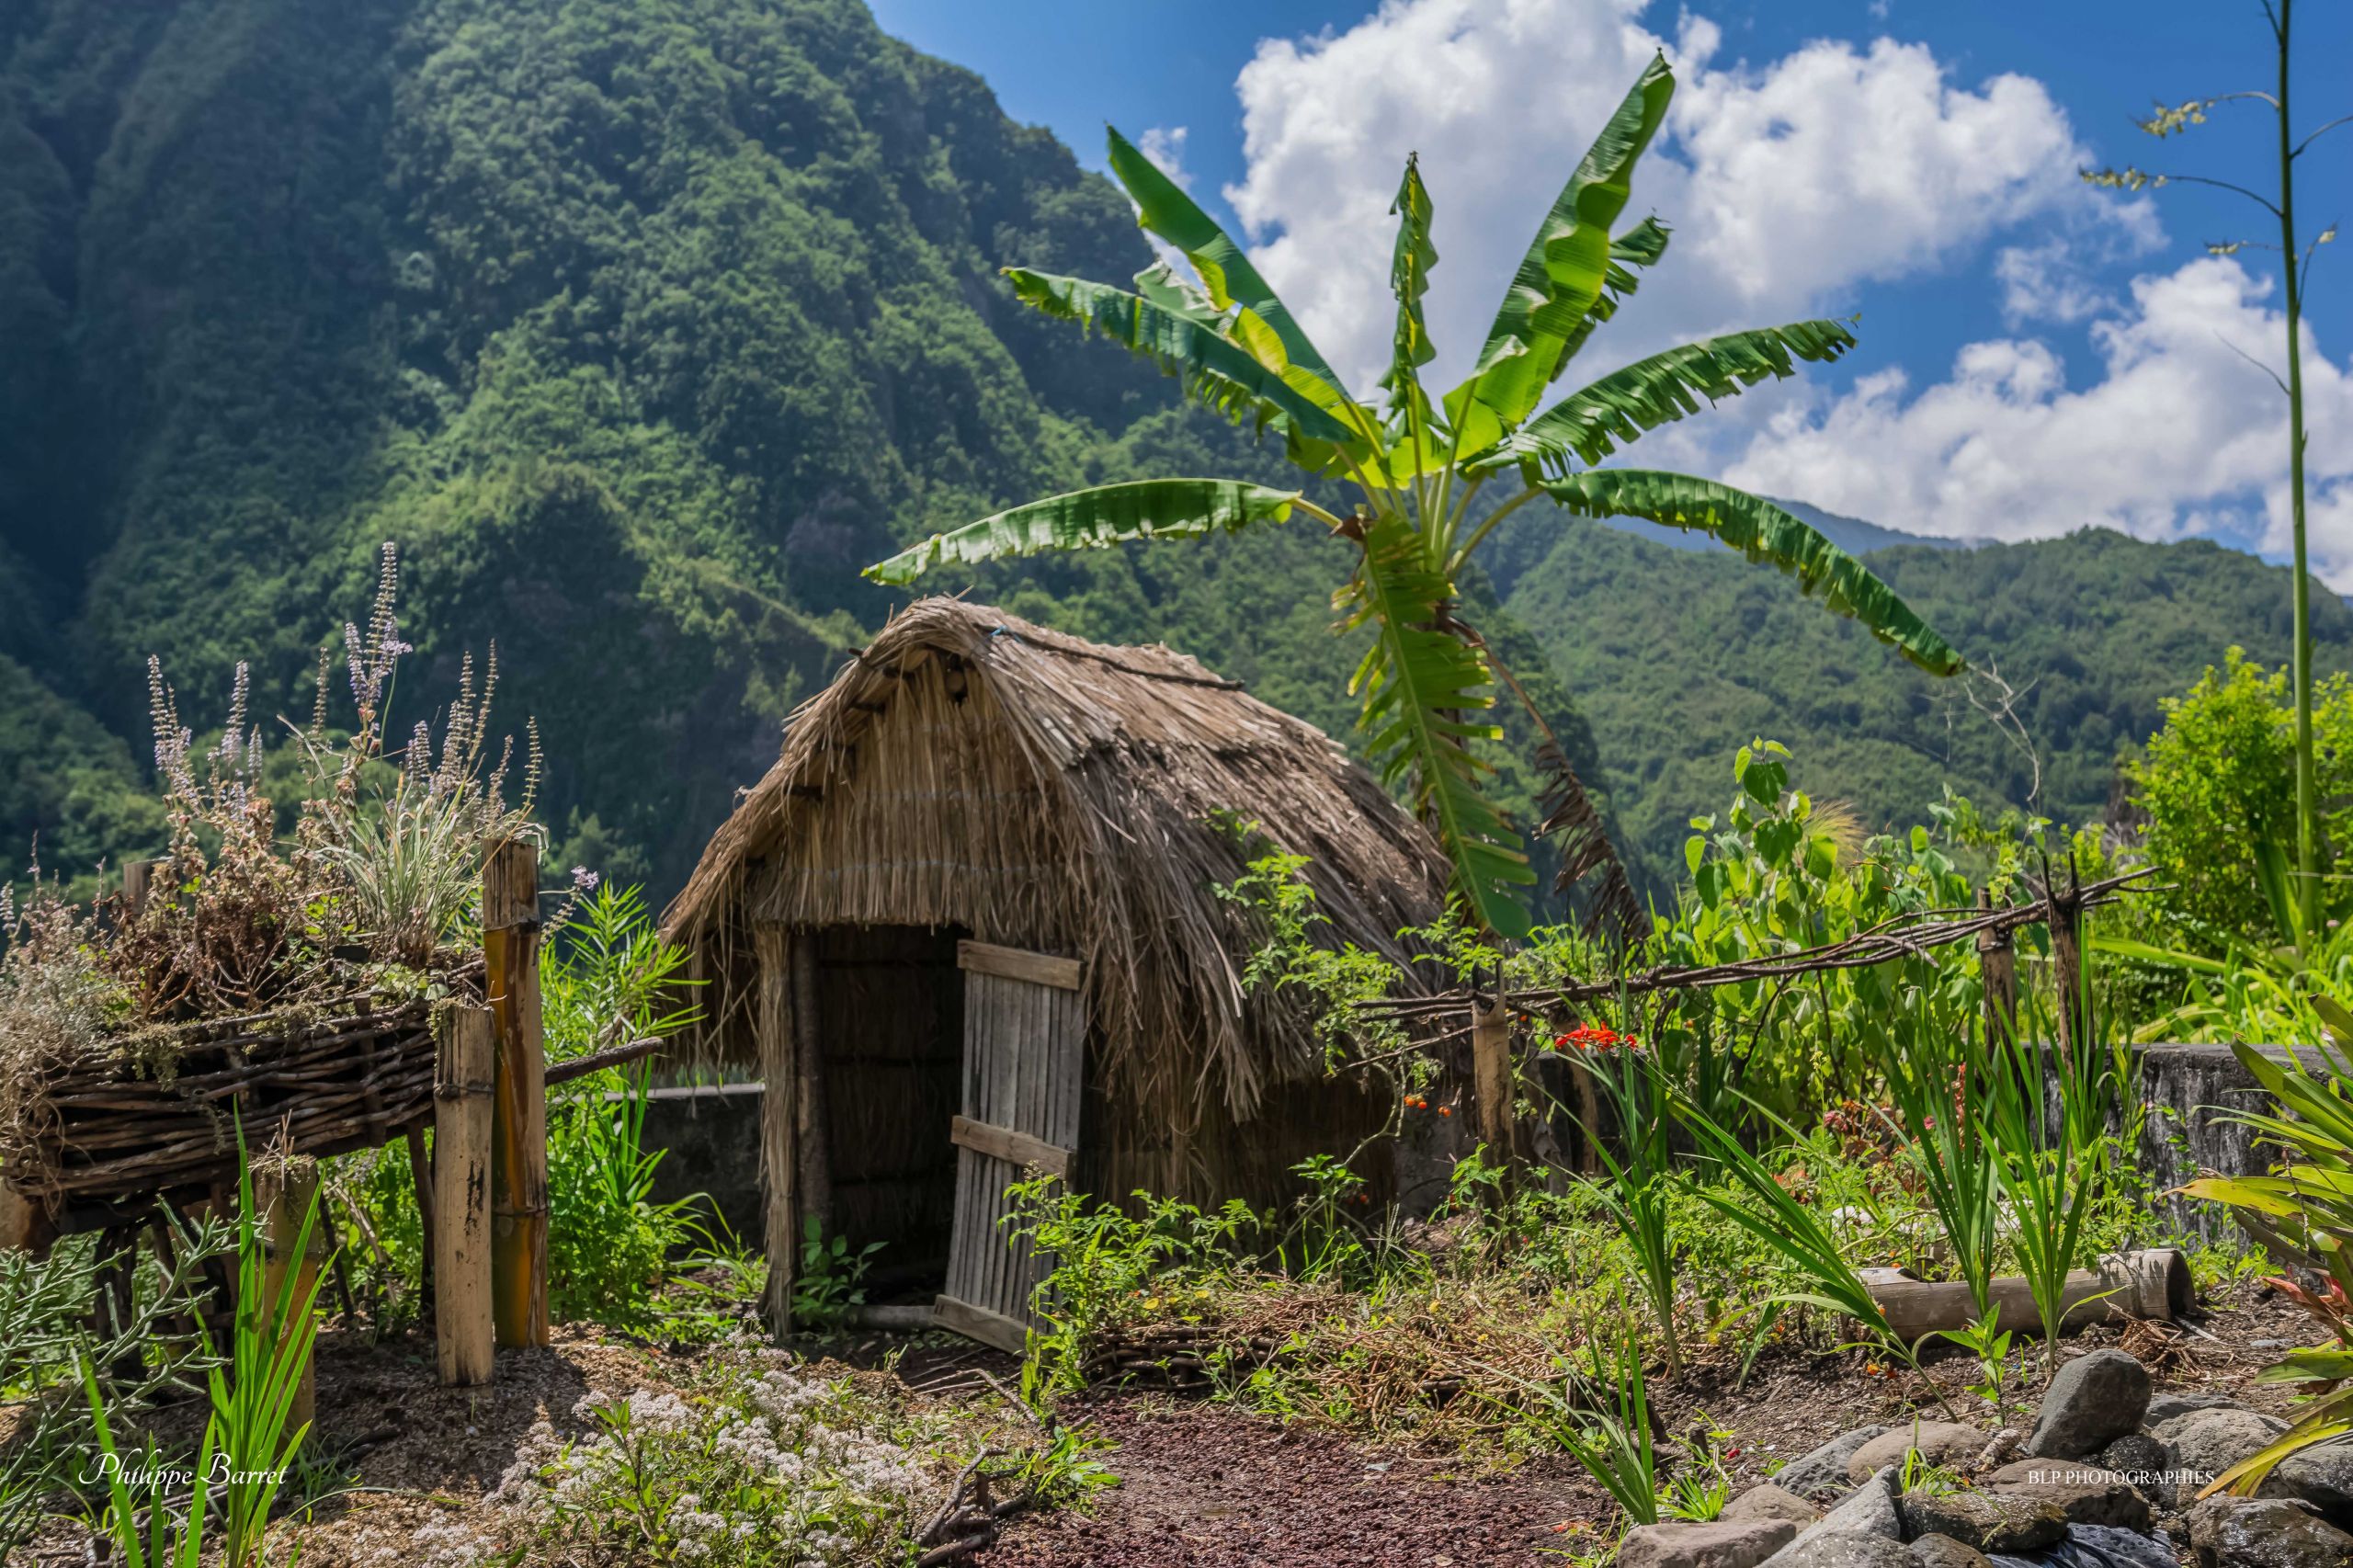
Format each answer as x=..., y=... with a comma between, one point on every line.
x=711, y=1140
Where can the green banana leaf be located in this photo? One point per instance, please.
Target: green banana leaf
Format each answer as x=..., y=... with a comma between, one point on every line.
x=1091, y=520
x=1763, y=532
x=1567, y=264
x=1216, y=371
x=1410, y=415
x=1419, y=682
x=1590, y=423
x=1164, y=209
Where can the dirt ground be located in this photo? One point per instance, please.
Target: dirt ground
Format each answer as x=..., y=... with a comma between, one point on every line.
x=1202, y=1485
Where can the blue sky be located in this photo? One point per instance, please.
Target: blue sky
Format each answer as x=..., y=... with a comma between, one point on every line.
x=2035, y=356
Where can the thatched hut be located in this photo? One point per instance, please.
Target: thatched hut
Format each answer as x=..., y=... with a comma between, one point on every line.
x=969, y=923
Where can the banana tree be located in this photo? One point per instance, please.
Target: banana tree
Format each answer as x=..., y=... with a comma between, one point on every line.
x=1419, y=466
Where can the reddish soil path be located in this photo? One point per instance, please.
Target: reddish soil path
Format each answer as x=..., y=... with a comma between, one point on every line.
x=1207, y=1486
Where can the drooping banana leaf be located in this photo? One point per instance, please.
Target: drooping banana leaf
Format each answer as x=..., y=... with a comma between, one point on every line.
x=1568, y=263
x=1216, y=371
x=1092, y=519
x=1421, y=686
x=1763, y=532
x=1164, y=209
x=1593, y=422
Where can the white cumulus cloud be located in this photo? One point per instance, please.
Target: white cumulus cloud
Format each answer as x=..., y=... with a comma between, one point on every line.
x=2177, y=433
x=1788, y=183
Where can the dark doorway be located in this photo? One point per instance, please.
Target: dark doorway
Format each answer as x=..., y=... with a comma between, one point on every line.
x=890, y=1021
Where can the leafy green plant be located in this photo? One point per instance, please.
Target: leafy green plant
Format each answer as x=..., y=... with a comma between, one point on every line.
x=1614, y=1446
x=1640, y=1162
x=2303, y=1213
x=166, y=1541
x=1936, y=1083
x=1419, y=464
x=46, y=1348
x=253, y=1388
x=1800, y=1237
x=1989, y=1344
x=829, y=1286
x=2051, y=1167
x=1925, y=1477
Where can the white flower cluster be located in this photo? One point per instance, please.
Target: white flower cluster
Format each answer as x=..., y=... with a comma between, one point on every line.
x=769, y=1465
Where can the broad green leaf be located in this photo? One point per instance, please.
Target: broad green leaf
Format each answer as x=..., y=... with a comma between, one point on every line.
x=2241, y=1193
x=1568, y=263
x=1615, y=411
x=1763, y=532
x=1164, y=209
x=1091, y=520
x=1215, y=370
x=1420, y=682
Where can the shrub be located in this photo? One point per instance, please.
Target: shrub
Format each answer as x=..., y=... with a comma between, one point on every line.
x=2219, y=778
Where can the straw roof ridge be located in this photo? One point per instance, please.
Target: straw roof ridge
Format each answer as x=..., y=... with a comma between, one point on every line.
x=968, y=768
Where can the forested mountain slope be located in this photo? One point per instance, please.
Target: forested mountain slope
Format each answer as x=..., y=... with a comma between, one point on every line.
x=641, y=324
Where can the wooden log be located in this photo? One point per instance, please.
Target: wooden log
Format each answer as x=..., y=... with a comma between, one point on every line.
x=2150, y=1284
x=811, y=1120
x=510, y=943
x=1018, y=963
x=1998, y=968
x=461, y=1240
x=286, y=1192
x=1019, y=1149
x=780, y=1160
x=1491, y=1071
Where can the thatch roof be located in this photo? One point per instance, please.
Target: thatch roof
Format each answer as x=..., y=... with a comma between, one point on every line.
x=970, y=769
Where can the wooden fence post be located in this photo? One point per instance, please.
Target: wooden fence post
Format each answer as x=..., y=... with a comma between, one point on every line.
x=1491, y=1072
x=25, y=1224
x=462, y=1092
x=287, y=1190
x=780, y=1144
x=2065, y=913
x=1998, y=968
x=811, y=1113
x=510, y=944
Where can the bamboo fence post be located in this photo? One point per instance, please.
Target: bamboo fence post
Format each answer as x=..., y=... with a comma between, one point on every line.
x=779, y=1076
x=1998, y=968
x=1491, y=1076
x=286, y=1192
x=462, y=1092
x=813, y=1129
x=2065, y=913
x=510, y=942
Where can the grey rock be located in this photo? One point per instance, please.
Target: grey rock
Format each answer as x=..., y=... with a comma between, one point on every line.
x=1845, y=1551
x=2101, y=1546
x=2238, y=1532
x=1939, y=1442
x=2093, y=1400
x=2012, y=1522
x=2085, y=1493
x=2204, y=1443
x=1717, y=1543
x=2321, y=1477
x=2165, y=1407
x=1770, y=1501
x=1867, y=1513
x=1824, y=1469
x=1943, y=1551
x=2136, y=1456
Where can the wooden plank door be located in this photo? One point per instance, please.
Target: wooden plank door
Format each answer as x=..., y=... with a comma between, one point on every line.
x=1025, y=1040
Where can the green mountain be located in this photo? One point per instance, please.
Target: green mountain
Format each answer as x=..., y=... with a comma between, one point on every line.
x=641, y=325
